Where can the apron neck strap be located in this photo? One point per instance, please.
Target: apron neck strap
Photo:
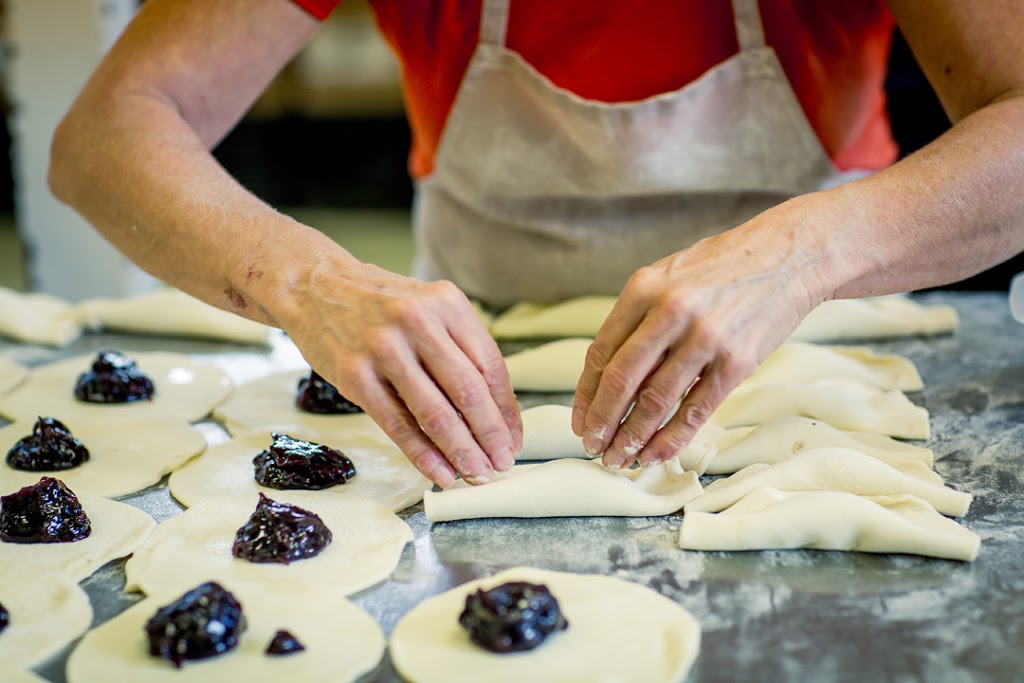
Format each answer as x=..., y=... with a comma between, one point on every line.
x=749, y=28
x=494, y=22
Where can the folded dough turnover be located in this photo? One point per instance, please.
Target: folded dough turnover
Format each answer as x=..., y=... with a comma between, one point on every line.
x=784, y=437
x=766, y=518
x=11, y=374
x=875, y=318
x=800, y=362
x=547, y=434
x=579, y=317
x=568, y=488
x=47, y=612
x=552, y=367
x=38, y=319
x=829, y=469
x=846, y=404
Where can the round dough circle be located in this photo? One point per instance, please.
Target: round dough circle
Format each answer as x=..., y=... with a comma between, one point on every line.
x=125, y=456
x=429, y=646
x=47, y=612
x=11, y=374
x=383, y=473
x=196, y=546
x=342, y=642
x=185, y=390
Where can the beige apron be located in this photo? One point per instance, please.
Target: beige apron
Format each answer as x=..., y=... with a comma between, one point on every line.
x=540, y=195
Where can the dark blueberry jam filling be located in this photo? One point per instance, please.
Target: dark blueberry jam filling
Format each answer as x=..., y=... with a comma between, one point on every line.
x=317, y=395
x=278, y=532
x=46, y=512
x=284, y=643
x=49, y=448
x=204, y=622
x=294, y=464
x=113, y=378
x=5, y=619
x=512, y=617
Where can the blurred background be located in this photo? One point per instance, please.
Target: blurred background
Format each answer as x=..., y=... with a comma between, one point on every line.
x=327, y=142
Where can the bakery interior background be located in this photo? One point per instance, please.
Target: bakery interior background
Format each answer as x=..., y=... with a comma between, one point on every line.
x=327, y=142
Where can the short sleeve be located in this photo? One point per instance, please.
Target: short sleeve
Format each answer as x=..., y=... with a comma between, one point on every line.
x=320, y=9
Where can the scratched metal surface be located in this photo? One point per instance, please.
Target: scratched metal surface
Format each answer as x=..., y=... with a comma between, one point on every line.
x=769, y=616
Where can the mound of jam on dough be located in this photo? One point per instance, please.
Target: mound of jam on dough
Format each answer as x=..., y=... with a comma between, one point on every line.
x=204, y=622
x=295, y=464
x=513, y=617
x=113, y=378
x=284, y=643
x=317, y=395
x=5, y=619
x=46, y=512
x=49, y=448
x=282, y=533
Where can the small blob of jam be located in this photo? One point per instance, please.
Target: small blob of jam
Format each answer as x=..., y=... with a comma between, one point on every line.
x=46, y=512
x=513, y=617
x=49, y=448
x=114, y=378
x=317, y=395
x=284, y=643
x=204, y=622
x=278, y=532
x=295, y=464
x=5, y=619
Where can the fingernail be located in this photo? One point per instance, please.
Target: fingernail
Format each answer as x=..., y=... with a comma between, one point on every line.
x=517, y=439
x=593, y=441
x=478, y=479
x=652, y=461
x=506, y=458
x=612, y=464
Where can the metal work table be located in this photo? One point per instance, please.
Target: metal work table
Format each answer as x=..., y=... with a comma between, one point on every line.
x=766, y=616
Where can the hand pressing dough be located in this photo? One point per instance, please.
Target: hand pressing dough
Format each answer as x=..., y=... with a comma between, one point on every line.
x=117, y=530
x=195, y=546
x=548, y=435
x=38, y=319
x=767, y=518
x=845, y=404
x=799, y=362
x=11, y=374
x=342, y=642
x=47, y=612
x=835, y=469
x=552, y=367
x=579, y=317
x=184, y=390
x=568, y=488
x=875, y=318
x=784, y=437
x=618, y=631
x=125, y=456
x=170, y=313
x=383, y=473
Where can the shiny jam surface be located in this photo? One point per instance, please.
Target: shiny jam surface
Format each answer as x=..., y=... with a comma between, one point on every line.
x=46, y=512
x=284, y=643
x=113, y=378
x=294, y=464
x=49, y=448
x=512, y=617
x=317, y=395
x=5, y=618
x=282, y=533
x=204, y=622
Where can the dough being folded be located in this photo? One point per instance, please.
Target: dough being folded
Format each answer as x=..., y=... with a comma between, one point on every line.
x=568, y=488
x=784, y=437
x=846, y=404
x=829, y=469
x=552, y=367
x=38, y=319
x=170, y=313
x=875, y=318
x=47, y=612
x=429, y=646
x=766, y=518
x=548, y=435
x=800, y=362
x=579, y=317
x=11, y=374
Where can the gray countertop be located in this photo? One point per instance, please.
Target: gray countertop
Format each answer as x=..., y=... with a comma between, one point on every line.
x=766, y=616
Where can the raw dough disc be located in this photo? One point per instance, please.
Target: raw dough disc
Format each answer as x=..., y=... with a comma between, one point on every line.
x=342, y=642
x=845, y=404
x=784, y=437
x=125, y=456
x=47, y=612
x=184, y=390
x=37, y=318
x=11, y=675
x=117, y=530
x=11, y=374
x=196, y=546
x=269, y=403
x=579, y=317
x=800, y=362
x=568, y=488
x=547, y=434
x=875, y=318
x=429, y=646
x=767, y=518
x=824, y=469
x=552, y=367
x=383, y=473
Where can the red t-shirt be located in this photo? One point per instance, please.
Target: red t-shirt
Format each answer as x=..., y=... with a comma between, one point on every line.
x=835, y=55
